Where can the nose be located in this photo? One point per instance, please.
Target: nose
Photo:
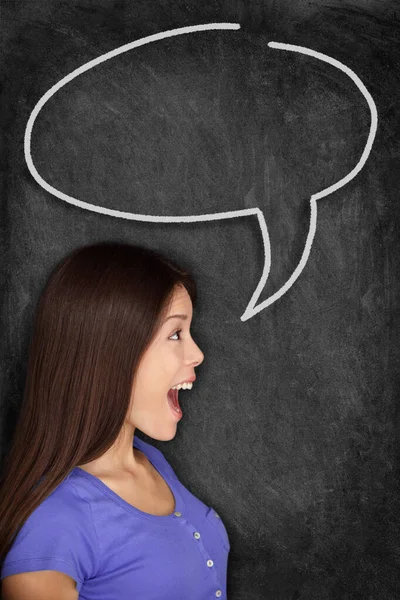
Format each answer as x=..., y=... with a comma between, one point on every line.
x=199, y=356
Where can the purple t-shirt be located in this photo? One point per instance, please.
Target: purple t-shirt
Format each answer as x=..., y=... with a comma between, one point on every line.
x=117, y=552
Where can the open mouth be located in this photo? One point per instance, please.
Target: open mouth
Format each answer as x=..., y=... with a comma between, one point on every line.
x=174, y=402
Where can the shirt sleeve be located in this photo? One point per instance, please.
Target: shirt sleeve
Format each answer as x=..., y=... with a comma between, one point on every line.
x=59, y=535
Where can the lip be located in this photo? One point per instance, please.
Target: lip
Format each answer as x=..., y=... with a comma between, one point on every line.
x=189, y=379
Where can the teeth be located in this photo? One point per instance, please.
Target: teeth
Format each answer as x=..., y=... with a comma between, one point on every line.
x=184, y=386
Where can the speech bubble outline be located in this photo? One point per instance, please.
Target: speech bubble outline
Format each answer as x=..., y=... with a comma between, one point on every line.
x=251, y=308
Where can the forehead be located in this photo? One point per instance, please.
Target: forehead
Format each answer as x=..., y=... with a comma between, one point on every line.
x=181, y=302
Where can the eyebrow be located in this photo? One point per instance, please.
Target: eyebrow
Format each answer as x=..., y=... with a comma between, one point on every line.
x=176, y=317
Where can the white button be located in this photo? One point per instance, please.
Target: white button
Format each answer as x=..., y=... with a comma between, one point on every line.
x=210, y=563
x=196, y=535
x=218, y=593
x=177, y=514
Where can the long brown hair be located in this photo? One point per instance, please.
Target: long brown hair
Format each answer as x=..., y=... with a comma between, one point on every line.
x=98, y=313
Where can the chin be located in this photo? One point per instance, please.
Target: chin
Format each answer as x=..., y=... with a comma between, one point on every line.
x=166, y=438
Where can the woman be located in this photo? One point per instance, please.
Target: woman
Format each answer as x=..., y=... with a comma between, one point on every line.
x=87, y=509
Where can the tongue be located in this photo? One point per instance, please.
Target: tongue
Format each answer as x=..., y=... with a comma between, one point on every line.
x=173, y=398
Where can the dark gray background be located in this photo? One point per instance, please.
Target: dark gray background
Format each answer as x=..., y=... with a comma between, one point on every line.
x=291, y=431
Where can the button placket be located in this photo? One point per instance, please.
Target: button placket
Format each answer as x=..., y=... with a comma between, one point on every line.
x=208, y=561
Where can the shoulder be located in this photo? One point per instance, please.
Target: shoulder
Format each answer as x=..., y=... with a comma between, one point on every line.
x=58, y=535
x=65, y=506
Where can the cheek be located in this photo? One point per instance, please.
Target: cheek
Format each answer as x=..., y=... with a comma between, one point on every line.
x=172, y=359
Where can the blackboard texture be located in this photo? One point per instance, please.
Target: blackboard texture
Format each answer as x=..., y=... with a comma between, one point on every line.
x=292, y=429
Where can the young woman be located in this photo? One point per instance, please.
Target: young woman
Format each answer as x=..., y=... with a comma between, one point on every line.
x=88, y=510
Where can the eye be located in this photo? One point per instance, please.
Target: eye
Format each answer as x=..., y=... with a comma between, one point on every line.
x=176, y=333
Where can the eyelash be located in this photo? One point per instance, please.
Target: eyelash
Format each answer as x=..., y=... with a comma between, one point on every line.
x=177, y=331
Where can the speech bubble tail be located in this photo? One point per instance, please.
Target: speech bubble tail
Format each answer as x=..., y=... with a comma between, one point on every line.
x=253, y=308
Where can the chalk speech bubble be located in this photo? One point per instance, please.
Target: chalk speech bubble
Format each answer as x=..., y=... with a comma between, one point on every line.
x=251, y=309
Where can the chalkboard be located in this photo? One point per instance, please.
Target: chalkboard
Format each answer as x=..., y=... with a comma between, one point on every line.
x=214, y=146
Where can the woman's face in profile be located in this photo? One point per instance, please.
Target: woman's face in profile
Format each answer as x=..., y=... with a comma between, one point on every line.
x=170, y=359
